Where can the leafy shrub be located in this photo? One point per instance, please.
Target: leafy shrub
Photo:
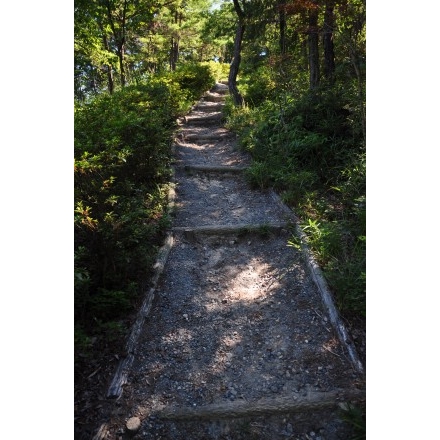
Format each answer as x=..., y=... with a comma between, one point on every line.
x=257, y=175
x=260, y=87
x=196, y=78
x=309, y=150
x=122, y=169
x=220, y=71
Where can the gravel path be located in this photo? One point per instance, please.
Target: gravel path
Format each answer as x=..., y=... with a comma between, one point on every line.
x=238, y=343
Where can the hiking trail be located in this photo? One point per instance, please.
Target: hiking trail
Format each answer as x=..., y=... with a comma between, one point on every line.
x=237, y=338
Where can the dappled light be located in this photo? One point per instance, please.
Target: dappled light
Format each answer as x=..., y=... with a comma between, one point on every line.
x=219, y=219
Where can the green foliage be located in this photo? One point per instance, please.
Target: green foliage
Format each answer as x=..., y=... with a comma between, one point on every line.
x=109, y=304
x=261, y=87
x=122, y=172
x=196, y=78
x=82, y=342
x=218, y=33
x=258, y=175
x=220, y=71
x=311, y=150
x=355, y=416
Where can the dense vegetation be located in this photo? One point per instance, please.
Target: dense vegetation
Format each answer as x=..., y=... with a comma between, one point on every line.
x=306, y=130
x=122, y=169
x=297, y=81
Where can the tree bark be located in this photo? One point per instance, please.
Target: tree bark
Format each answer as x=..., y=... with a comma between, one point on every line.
x=282, y=19
x=174, y=53
x=313, y=47
x=174, y=49
x=354, y=61
x=235, y=64
x=111, y=84
x=327, y=41
x=120, y=52
x=119, y=36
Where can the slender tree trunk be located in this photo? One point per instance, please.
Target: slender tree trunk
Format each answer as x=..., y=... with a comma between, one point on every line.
x=111, y=84
x=119, y=36
x=360, y=83
x=282, y=19
x=122, y=44
x=327, y=41
x=236, y=59
x=313, y=47
x=174, y=53
x=175, y=40
x=121, y=53
x=172, y=59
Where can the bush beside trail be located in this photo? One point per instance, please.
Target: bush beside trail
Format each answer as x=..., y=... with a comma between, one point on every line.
x=309, y=147
x=122, y=172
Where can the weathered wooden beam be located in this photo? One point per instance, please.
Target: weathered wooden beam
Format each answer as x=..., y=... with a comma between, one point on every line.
x=213, y=98
x=322, y=285
x=207, y=136
x=120, y=378
x=314, y=401
x=209, y=108
x=204, y=120
x=240, y=228
x=215, y=168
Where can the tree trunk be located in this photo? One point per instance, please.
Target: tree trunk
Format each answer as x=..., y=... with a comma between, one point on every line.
x=175, y=39
x=119, y=36
x=327, y=40
x=236, y=59
x=174, y=53
x=282, y=18
x=121, y=63
x=354, y=61
x=111, y=84
x=313, y=47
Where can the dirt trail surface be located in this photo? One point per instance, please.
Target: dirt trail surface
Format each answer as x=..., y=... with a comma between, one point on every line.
x=238, y=343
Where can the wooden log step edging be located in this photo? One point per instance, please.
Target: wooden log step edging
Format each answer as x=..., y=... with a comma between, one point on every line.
x=204, y=120
x=215, y=168
x=214, y=98
x=206, y=137
x=313, y=401
x=322, y=285
x=121, y=376
x=209, y=108
x=241, y=228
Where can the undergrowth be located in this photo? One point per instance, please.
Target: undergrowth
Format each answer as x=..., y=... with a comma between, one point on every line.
x=122, y=172
x=310, y=149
